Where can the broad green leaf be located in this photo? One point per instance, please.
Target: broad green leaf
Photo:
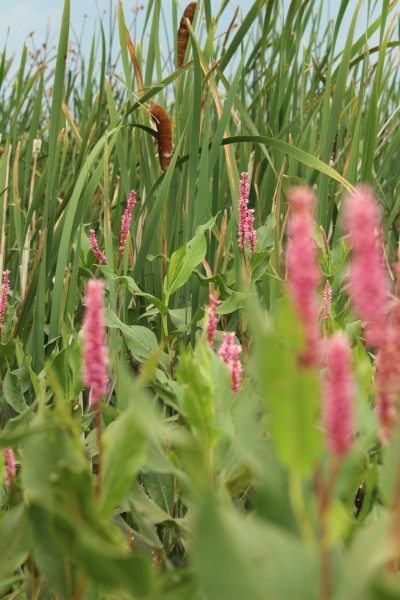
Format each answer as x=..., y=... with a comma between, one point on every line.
x=184, y=260
x=125, y=445
x=7, y=352
x=15, y=540
x=12, y=389
x=141, y=341
x=53, y=563
x=291, y=393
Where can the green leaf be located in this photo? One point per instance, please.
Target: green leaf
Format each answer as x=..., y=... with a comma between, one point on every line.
x=184, y=260
x=7, y=352
x=255, y=559
x=12, y=389
x=50, y=559
x=141, y=341
x=291, y=393
x=125, y=446
x=15, y=540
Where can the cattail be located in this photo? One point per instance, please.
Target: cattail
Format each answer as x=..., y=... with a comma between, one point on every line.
x=387, y=378
x=95, y=247
x=327, y=300
x=303, y=272
x=5, y=288
x=368, y=281
x=183, y=34
x=10, y=468
x=229, y=352
x=164, y=129
x=338, y=395
x=245, y=228
x=212, y=320
x=126, y=220
x=95, y=354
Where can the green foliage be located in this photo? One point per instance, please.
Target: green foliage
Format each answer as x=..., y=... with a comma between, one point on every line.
x=178, y=487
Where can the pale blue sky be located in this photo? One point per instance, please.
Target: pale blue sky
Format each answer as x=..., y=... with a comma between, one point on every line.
x=42, y=16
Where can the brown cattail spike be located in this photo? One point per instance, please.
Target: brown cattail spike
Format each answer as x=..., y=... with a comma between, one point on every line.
x=183, y=34
x=164, y=128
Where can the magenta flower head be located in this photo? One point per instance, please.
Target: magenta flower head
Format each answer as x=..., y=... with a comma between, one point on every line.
x=245, y=229
x=5, y=288
x=95, y=354
x=303, y=272
x=212, y=320
x=10, y=469
x=368, y=281
x=338, y=395
x=229, y=352
x=126, y=220
x=95, y=247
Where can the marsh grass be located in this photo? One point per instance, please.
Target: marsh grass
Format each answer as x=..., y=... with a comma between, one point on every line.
x=286, y=104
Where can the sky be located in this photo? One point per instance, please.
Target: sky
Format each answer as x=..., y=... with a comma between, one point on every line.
x=18, y=18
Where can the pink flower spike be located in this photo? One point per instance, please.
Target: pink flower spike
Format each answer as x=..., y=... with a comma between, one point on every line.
x=5, y=288
x=95, y=247
x=10, y=468
x=95, y=354
x=229, y=353
x=245, y=228
x=212, y=320
x=236, y=368
x=338, y=395
x=126, y=220
x=327, y=300
x=368, y=281
x=303, y=272
x=387, y=377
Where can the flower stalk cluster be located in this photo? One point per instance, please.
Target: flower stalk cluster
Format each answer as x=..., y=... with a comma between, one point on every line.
x=126, y=220
x=368, y=281
x=229, y=352
x=212, y=320
x=95, y=355
x=369, y=287
x=303, y=271
x=338, y=396
x=95, y=247
x=245, y=229
x=10, y=468
x=327, y=300
x=5, y=288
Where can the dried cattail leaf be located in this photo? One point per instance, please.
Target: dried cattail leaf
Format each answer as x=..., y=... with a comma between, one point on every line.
x=183, y=34
x=164, y=129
